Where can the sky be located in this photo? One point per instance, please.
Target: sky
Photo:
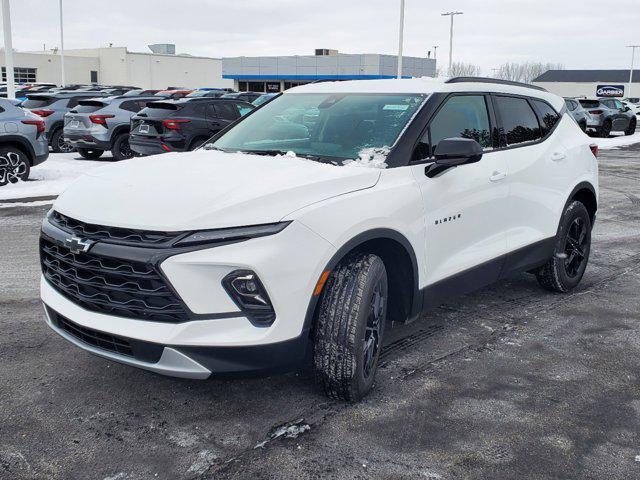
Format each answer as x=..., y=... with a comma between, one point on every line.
x=578, y=34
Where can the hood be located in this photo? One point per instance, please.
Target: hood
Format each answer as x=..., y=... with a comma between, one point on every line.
x=205, y=189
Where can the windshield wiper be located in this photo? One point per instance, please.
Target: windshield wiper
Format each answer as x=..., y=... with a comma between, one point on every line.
x=273, y=153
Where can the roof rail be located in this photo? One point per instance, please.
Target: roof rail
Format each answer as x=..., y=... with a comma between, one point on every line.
x=493, y=80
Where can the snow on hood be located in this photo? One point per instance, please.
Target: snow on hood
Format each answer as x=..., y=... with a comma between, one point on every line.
x=205, y=189
x=372, y=157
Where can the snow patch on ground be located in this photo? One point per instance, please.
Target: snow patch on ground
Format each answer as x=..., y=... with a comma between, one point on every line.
x=371, y=157
x=51, y=177
x=616, y=140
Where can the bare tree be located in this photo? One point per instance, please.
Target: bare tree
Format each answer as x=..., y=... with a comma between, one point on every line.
x=525, y=72
x=461, y=69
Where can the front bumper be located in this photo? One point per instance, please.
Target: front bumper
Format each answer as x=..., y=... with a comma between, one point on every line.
x=219, y=343
x=190, y=362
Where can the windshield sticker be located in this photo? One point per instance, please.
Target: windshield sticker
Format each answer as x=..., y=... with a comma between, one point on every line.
x=395, y=107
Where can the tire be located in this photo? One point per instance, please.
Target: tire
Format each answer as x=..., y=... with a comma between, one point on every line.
x=565, y=269
x=58, y=145
x=120, y=149
x=90, y=153
x=605, y=129
x=14, y=165
x=631, y=129
x=350, y=327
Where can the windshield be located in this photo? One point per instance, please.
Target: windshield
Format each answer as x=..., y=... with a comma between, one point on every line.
x=323, y=125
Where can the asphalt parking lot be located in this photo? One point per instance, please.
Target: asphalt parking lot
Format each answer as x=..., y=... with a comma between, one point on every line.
x=509, y=383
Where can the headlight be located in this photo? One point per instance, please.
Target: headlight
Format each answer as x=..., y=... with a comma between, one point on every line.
x=231, y=234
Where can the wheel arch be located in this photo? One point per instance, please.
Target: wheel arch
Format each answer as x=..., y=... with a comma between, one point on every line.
x=120, y=129
x=585, y=193
x=401, y=264
x=21, y=144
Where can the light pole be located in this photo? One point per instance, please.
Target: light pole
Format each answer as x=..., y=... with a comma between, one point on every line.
x=633, y=55
x=400, y=39
x=61, y=46
x=451, y=14
x=8, y=49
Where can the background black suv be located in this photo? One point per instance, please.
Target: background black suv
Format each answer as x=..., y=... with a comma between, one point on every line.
x=183, y=124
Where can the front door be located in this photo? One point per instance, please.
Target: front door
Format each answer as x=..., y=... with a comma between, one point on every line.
x=465, y=206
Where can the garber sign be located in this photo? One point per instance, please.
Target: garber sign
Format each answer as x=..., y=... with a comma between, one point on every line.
x=610, y=91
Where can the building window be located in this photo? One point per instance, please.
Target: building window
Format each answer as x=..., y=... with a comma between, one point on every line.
x=256, y=87
x=242, y=86
x=21, y=74
x=94, y=76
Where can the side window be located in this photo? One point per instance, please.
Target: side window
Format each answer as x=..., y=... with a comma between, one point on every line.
x=463, y=116
x=548, y=116
x=243, y=109
x=519, y=123
x=130, y=106
x=226, y=110
x=571, y=105
x=211, y=111
x=618, y=104
x=74, y=101
x=609, y=103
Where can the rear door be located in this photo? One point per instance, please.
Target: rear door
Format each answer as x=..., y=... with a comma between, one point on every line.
x=539, y=169
x=226, y=113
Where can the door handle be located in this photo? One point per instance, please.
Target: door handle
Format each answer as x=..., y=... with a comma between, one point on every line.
x=558, y=156
x=497, y=176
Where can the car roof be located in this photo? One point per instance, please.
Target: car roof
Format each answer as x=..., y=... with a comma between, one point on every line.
x=63, y=94
x=427, y=85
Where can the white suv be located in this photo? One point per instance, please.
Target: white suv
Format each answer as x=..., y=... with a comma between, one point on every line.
x=308, y=226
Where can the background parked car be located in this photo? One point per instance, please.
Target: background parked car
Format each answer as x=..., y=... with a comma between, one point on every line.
x=24, y=147
x=102, y=124
x=609, y=115
x=634, y=107
x=184, y=124
x=264, y=98
x=173, y=94
x=244, y=96
x=207, y=92
x=135, y=93
x=579, y=114
x=52, y=107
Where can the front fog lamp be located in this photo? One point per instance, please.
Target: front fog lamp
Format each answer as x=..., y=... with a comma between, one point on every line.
x=246, y=290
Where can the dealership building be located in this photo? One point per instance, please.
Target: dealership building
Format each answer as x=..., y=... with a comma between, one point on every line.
x=275, y=74
x=589, y=83
x=158, y=68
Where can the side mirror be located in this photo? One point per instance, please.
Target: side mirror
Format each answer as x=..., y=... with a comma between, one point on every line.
x=452, y=152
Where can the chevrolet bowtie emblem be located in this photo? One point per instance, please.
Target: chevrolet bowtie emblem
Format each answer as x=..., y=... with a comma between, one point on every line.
x=78, y=245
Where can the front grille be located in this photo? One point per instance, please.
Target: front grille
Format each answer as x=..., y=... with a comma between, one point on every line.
x=144, y=351
x=123, y=236
x=109, y=285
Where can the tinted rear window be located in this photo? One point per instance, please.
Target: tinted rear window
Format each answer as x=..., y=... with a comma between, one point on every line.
x=518, y=120
x=589, y=103
x=38, y=102
x=163, y=106
x=87, y=106
x=548, y=116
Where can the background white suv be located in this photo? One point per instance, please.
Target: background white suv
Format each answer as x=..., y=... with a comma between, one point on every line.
x=314, y=221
